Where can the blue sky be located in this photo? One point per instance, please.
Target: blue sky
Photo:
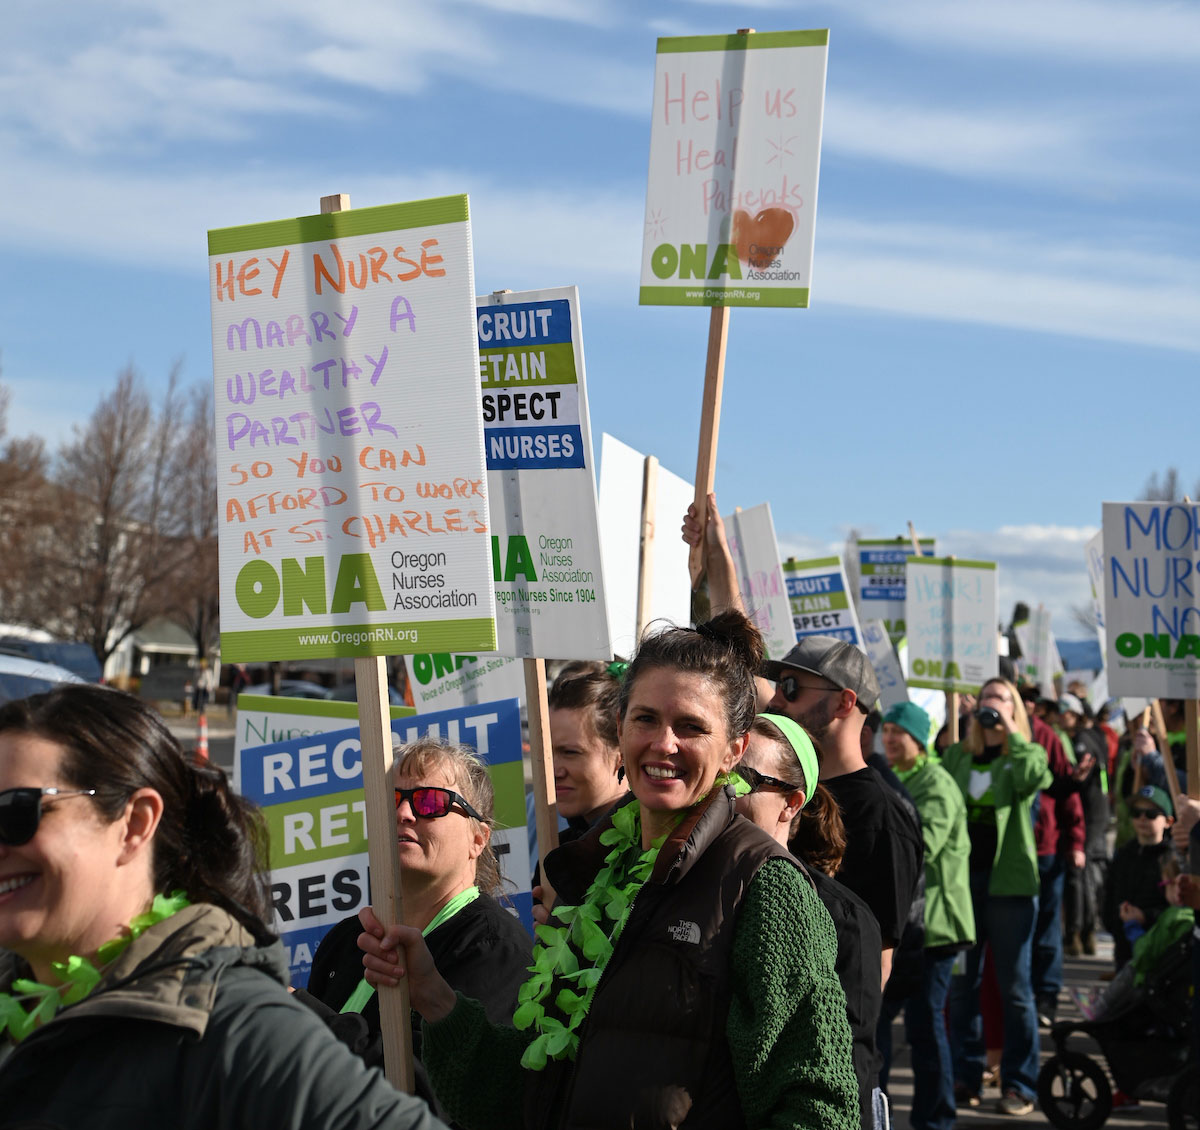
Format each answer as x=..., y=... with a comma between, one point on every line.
x=1005, y=318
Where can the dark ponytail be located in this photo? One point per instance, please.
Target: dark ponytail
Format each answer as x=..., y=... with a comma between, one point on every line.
x=210, y=842
x=818, y=834
x=727, y=649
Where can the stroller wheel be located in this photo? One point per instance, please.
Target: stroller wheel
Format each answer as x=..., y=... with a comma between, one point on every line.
x=1074, y=1092
x=1183, y=1102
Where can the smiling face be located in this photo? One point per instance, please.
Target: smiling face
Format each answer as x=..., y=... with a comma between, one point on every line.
x=58, y=892
x=438, y=853
x=585, y=766
x=899, y=746
x=674, y=741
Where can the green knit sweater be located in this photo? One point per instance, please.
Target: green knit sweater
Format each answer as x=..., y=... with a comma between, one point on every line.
x=787, y=1028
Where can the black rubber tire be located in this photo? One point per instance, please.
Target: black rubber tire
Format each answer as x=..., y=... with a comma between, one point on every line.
x=1183, y=1101
x=1074, y=1092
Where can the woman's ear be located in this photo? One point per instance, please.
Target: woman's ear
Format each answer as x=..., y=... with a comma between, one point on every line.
x=794, y=802
x=480, y=840
x=143, y=811
x=737, y=750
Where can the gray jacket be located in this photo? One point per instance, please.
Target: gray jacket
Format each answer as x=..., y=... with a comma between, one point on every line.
x=193, y=1027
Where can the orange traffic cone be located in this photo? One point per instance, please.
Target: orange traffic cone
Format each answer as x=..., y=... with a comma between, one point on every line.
x=202, y=736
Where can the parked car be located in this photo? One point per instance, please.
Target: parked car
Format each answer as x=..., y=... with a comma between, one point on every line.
x=292, y=688
x=348, y=692
x=21, y=677
x=72, y=655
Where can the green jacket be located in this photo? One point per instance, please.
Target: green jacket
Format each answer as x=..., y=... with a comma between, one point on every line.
x=1017, y=775
x=192, y=1028
x=949, y=918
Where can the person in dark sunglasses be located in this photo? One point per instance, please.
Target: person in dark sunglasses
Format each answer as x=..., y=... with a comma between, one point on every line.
x=452, y=890
x=139, y=983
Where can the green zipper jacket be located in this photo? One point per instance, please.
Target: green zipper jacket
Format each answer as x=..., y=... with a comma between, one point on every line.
x=949, y=918
x=1017, y=775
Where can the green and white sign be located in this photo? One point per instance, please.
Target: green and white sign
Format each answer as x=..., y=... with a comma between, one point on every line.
x=952, y=608
x=1039, y=662
x=353, y=494
x=735, y=146
x=1151, y=611
x=881, y=580
x=442, y=681
x=546, y=565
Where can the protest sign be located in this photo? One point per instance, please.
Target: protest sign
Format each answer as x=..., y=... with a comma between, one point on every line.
x=751, y=537
x=668, y=595
x=881, y=579
x=820, y=600
x=546, y=563
x=263, y=719
x=352, y=488
x=310, y=790
x=1151, y=559
x=1039, y=653
x=882, y=654
x=735, y=143
x=952, y=608
x=442, y=680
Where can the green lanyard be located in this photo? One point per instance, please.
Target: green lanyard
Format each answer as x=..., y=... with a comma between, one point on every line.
x=365, y=991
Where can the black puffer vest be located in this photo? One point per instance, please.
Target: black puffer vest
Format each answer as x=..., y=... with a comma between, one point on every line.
x=653, y=1052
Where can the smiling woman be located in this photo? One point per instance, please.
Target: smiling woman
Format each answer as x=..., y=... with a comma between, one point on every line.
x=139, y=967
x=686, y=976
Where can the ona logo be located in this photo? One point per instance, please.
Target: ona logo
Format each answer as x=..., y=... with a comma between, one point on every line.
x=258, y=587
x=685, y=932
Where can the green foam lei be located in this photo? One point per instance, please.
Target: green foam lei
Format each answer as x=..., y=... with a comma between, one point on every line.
x=78, y=975
x=578, y=951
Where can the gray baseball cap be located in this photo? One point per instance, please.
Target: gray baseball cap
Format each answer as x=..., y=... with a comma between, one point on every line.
x=833, y=659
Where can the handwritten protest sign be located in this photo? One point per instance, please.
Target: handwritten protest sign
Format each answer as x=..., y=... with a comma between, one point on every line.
x=735, y=146
x=264, y=719
x=881, y=579
x=952, y=608
x=546, y=563
x=1151, y=563
x=751, y=536
x=441, y=680
x=1039, y=661
x=353, y=495
x=670, y=596
x=310, y=790
x=820, y=599
x=883, y=657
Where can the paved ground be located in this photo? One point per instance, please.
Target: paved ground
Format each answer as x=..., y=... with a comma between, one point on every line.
x=1079, y=971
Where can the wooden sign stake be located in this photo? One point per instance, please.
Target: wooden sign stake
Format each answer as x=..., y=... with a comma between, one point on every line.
x=646, y=545
x=375, y=733
x=710, y=423
x=1160, y=732
x=545, y=801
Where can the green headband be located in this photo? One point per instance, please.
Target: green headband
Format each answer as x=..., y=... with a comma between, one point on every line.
x=802, y=747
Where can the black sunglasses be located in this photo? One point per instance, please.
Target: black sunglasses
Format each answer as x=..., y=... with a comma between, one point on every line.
x=757, y=780
x=430, y=802
x=21, y=812
x=1149, y=813
x=790, y=687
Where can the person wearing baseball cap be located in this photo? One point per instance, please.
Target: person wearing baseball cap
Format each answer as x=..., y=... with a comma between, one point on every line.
x=829, y=686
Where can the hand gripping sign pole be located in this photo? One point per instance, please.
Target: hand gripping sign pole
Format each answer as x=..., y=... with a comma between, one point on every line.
x=375, y=732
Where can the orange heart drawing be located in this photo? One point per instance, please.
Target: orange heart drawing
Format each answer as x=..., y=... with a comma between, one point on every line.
x=759, y=240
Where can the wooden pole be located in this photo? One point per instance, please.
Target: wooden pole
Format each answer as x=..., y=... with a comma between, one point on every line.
x=710, y=423
x=646, y=545
x=1160, y=732
x=545, y=802
x=375, y=734
x=1143, y=722
x=951, y=696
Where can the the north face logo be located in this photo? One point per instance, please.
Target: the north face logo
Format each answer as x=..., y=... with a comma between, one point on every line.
x=685, y=932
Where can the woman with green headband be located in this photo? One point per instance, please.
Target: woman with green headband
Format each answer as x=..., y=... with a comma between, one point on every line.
x=781, y=766
x=139, y=984
x=686, y=978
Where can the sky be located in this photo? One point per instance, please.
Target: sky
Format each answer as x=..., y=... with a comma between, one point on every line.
x=1004, y=325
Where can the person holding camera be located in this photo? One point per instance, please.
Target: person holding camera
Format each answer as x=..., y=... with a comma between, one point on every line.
x=999, y=770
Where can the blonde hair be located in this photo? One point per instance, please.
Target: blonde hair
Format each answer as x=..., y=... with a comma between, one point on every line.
x=974, y=740
x=466, y=769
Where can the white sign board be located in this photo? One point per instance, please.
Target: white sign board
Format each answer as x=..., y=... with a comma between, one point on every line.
x=735, y=146
x=819, y=598
x=890, y=675
x=881, y=579
x=751, y=536
x=621, y=475
x=1151, y=613
x=353, y=494
x=441, y=681
x=1039, y=652
x=952, y=608
x=541, y=478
